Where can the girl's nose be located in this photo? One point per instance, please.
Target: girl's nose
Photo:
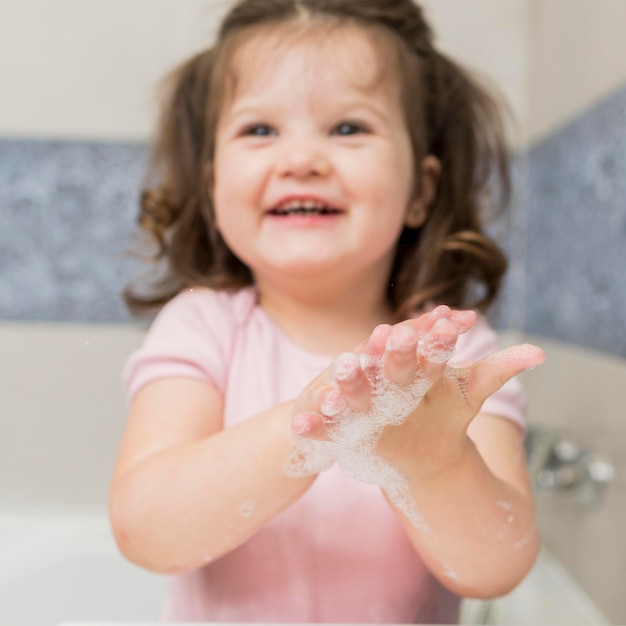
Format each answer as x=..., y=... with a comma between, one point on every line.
x=302, y=160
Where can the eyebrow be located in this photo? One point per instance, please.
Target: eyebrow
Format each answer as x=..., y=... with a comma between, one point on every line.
x=258, y=107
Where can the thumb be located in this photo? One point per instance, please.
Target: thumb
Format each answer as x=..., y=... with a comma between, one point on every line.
x=492, y=372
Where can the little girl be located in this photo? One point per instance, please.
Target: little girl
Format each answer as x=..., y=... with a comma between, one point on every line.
x=316, y=432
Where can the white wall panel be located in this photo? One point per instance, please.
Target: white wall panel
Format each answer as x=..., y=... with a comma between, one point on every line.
x=86, y=69
x=578, y=57
x=491, y=37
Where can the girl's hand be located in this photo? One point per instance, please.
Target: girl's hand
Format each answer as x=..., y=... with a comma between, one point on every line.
x=394, y=356
x=397, y=393
x=435, y=431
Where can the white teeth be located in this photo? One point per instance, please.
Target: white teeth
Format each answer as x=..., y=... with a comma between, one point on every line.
x=304, y=204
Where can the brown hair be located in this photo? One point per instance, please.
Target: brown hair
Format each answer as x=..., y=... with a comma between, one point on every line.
x=449, y=259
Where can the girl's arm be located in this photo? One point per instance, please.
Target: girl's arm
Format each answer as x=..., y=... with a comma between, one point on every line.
x=466, y=473
x=184, y=491
x=483, y=535
x=472, y=485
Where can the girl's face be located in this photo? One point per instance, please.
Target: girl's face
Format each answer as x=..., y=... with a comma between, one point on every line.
x=313, y=170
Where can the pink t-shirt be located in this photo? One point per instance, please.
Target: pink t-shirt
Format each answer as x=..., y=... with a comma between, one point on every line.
x=338, y=554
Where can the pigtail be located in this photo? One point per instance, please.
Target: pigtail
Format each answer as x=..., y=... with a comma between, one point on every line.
x=452, y=259
x=175, y=206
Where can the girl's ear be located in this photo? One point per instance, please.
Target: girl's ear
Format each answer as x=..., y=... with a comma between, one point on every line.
x=418, y=208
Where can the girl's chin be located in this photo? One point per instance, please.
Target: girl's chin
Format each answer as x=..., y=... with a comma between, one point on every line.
x=300, y=269
x=305, y=259
x=305, y=269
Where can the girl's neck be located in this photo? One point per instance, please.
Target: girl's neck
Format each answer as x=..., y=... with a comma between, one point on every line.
x=328, y=321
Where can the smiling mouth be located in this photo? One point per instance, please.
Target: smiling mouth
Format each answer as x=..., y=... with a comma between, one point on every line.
x=306, y=207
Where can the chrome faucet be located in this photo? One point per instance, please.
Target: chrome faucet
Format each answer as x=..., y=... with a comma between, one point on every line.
x=555, y=461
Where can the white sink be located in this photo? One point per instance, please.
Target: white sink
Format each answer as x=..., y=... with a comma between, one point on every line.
x=548, y=595
x=62, y=567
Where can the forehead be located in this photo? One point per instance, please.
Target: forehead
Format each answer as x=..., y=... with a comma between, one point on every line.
x=347, y=55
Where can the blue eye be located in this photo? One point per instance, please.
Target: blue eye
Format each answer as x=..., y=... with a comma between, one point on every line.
x=259, y=130
x=349, y=128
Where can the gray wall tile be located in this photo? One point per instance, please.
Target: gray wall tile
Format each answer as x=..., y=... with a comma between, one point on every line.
x=66, y=216
x=576, y=245
x=68, y=209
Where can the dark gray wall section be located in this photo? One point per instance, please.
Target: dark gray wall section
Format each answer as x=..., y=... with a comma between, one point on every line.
x=67, y=219
x=576, y=235
x=67, y=211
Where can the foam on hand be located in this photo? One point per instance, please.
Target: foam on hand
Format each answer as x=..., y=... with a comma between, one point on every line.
x=355, y=434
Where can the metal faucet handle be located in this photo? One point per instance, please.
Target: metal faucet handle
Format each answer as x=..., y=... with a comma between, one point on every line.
x=601, y=470
x=566, y=450
x=600, y=473
x=558, y=462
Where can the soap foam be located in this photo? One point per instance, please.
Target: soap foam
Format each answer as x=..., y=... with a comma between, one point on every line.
x=355, y=434
x=434, y=350
x=246, y=508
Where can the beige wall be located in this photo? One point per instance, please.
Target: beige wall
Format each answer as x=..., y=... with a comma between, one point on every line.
x=581, y=395
x=491, y=37
x=552, y=59
x=578, y=56
x=74, y=69
x=77, y=69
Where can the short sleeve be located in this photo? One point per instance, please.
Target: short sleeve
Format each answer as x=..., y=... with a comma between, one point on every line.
x=509, y=401
x=191, y=337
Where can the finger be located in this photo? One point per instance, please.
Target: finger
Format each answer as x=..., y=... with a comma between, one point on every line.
x=352, y=382
x=464, y=320
x=371, y=357
x=400, y=358
x=437, y=347
x=492, y=372
x=374, y=345
x=309, y=424
x=315, y=410
x=332, y=403
x=425, y=322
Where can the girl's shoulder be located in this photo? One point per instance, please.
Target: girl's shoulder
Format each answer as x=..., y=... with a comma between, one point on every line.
x=192, y=336
x=206, y=306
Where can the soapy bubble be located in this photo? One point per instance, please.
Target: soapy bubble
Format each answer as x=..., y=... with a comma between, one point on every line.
x=246, y=508
x=434, y=350
x=355, y=434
